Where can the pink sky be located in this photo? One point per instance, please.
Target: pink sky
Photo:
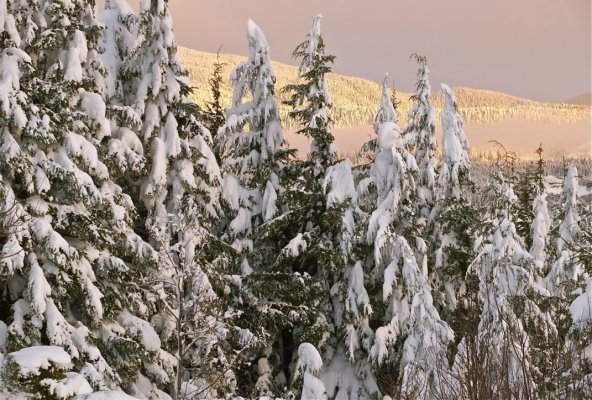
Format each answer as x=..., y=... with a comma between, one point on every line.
x=539, y=49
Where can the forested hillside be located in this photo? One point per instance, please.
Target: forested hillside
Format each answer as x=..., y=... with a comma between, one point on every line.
x=156, y=248
x=355, y=99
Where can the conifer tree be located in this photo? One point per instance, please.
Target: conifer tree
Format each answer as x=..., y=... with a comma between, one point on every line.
x=565, y=271
x=406, y=303
x=270, y=298
x=313, y=92
x=251, y=143
x=67, y=265
x=455, y=218
x=420, y=134
x=213, y=115
x=511, y=318
x=178, y=198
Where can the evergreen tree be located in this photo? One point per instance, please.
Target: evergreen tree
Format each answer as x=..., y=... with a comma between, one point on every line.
x=67, y=265
x=405, y=302
x=178, y=198
x=253, y=158
x=270, y=298
x=313, y=118
x=566, y=270
x=541, y=225
x=421, y=135
x=455, y=219
x=511, y=318
x=213, y=115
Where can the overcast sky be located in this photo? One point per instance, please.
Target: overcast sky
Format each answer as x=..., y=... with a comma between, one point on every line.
x=539, y=49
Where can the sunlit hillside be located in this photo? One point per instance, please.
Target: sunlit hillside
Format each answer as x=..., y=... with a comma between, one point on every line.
x=355, y=99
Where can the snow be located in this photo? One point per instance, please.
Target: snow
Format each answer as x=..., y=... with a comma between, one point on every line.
x=73, y=384
x=296, y=245
x=77, y=54
x=309, y=358
x=242, y=222
x=78, y=146
x=38, y=290
x=257, y=40
x=31, y=360
x=138, y=328
x=339, y=183
x=342, y=380
x=94, y=106
x=106, y=395
x=310, y=362
x=269, y=198
x=581, y=307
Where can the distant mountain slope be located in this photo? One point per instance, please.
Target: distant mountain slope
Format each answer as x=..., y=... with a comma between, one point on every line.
x=584, y=99
x=355, y=99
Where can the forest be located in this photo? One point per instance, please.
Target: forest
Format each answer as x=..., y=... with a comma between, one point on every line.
x=155, y=248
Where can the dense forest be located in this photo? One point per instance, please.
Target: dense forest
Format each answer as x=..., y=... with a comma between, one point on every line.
x=157, y=248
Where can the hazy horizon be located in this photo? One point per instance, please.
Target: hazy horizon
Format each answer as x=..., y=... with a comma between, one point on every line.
x=539, y=49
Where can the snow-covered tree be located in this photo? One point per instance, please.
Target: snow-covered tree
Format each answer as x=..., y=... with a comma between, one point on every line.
x=511, y=319
x=420, y=134
x=414, y=338
x=251, y=142
x=67, y=266
x=178, y=198
x=541, y=226
x=310, y=100
x=454, y=219
x=566, y=270
x=455, y=166
x=569, y=229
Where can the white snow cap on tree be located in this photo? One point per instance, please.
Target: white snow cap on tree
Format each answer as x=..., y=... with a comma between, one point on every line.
x=455, y=146
x=541, y=224
x=386, y=110
x=569, y=229
x=310, y=364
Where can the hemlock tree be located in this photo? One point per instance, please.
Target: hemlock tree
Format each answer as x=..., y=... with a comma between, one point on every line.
x=252, y=147
x=511, y=321
x=420, y=134
x=566, y=270
x=413, y=340
x=310, y=100
x=67, y=266
x=254, y=157
x=454, y=217
x=179, y=202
